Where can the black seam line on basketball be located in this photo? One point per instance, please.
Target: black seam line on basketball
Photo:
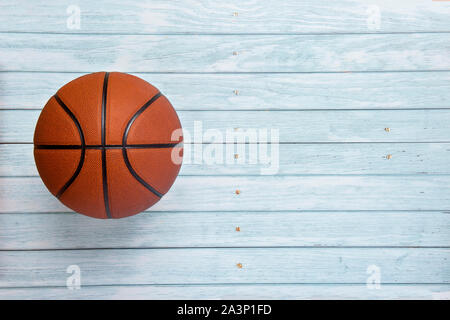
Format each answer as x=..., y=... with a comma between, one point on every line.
x=82, y=155
x=148, y=146
x=142, y=109
x=103, y=140
x=58, y=147
x=110, y=146
x=104, y=96
x=136, y=176
x=124, y=144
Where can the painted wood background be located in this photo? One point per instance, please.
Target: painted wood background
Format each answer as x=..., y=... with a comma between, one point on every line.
x=360, y=94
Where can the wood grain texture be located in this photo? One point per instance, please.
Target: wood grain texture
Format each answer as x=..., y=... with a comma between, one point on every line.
x=230, y=291
x=16, y=160
x=205, y=193
x=203, y=16
x=292, y=91
x=227, y=53
x=216, y=266
x=293, y=126
x=219, y=229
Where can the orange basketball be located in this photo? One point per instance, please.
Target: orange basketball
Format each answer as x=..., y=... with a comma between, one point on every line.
x=107, y=145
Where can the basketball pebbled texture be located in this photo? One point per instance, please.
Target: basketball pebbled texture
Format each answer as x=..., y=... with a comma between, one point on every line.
x=103, y=145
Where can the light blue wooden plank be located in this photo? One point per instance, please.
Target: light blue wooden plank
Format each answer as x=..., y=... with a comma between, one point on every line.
x=218, y=229
x=266, y=292
x=217, y=266
x=274, y=193
x=235, y=16
x=231, y=53
x=17, y=126
x=381, y=158
x=291, y=91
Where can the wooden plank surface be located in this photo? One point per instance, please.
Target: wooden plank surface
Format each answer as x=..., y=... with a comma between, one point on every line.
x=293, y=126
x=16, y=160
x=202, y=16
x=348, y=194
x=292, y=91
x=217, y=266
x=227, y=53
x=206, y=193
x=235, y=291
x=226, y=229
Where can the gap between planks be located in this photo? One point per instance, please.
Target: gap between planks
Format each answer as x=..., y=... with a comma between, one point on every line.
x=221, y=33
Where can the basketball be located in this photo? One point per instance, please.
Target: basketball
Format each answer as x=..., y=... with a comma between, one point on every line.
x=108, y=145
